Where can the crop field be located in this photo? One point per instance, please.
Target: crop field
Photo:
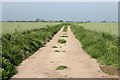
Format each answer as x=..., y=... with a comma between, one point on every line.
x=111, y=28
x=10, y=27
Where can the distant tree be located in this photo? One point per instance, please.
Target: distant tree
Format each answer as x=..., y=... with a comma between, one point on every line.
x=9, y=21
x=88, y=21
x=56, y=21
x=103, y=21
x=61, y=21
x=37, y=20
x=81, y=22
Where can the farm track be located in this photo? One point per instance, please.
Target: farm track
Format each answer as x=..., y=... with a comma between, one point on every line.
x=43, y=63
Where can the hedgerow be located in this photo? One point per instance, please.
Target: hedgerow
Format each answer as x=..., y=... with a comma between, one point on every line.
x=100, y=45
x=18, y=46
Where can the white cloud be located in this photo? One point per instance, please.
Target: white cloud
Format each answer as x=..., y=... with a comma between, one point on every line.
x=60, y=0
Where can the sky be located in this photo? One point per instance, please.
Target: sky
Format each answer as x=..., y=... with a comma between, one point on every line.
x=60, y=0
x=76, y=11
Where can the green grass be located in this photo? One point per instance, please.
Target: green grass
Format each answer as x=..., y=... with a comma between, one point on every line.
x=62, y=67
x=10, y=27
x=111, y=28
x=100, y=45
x=62, y=41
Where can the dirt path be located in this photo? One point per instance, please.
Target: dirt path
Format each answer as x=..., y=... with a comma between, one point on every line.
x=44, y=62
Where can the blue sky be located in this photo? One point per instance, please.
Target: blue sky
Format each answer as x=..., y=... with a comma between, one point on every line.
x=76, y=11
x=60, y=0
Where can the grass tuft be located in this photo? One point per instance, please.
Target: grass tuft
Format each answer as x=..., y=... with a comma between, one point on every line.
x=64, y=36
x=57, y=51
x=62, y=41
x=54, y=47
x=62, y=67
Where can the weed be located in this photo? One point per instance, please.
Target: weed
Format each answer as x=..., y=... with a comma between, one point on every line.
x=65, y=29
x=62, y=41
x=64, y=36
x=62, y=67
x=57, y=51
x=54, y=47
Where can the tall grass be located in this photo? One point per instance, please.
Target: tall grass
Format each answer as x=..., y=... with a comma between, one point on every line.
x=100, y=45
x=18, y=46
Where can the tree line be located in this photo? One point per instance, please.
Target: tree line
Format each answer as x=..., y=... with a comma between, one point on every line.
x=42, y=20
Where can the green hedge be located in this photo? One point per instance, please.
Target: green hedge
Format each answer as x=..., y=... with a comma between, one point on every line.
x=100, y=45
x=18, y=46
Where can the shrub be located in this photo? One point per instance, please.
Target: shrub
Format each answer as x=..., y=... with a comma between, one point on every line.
x=62, y=41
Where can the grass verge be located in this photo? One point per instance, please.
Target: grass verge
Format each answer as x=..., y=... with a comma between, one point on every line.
x=100, y=45
x=18, y=46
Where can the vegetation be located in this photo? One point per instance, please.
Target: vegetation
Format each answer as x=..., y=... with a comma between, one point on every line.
x=65, y=29
x=100, y=45
x=64, y=36
x=57, y=51
x=18, y=46
x=61, y=67
x=11, y=27
x=62, y=41
x=63, y=51
x=111, y=28
x=54, y=47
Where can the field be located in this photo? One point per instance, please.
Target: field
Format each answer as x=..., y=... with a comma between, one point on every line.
x=10, y=27
x=111, y=28
x=97, y=39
